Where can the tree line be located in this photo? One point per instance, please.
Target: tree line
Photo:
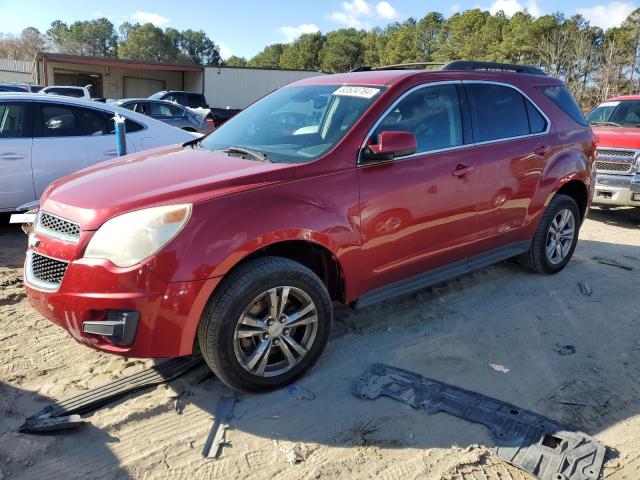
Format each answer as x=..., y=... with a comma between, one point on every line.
x=100, y=37
x=595, y=63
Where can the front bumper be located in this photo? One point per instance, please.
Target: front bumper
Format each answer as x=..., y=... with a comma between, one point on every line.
x=620, y=190
x=94, y=291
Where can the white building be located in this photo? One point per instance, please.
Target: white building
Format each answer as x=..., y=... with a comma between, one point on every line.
x=15, y=71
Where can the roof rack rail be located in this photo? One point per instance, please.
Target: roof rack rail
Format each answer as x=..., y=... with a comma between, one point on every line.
x=505, y=67
x=398, y=66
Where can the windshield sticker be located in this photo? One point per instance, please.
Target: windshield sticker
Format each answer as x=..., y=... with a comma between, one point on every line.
x=609, y=104
x=360, y=92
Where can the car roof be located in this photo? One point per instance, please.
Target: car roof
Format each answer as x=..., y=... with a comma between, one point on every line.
x=144, y=99
x=389, y=77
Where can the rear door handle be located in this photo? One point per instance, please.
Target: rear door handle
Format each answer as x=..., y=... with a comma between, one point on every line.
x=11, y=156
x=463, y=170
x=542, y=150
x=111, y=152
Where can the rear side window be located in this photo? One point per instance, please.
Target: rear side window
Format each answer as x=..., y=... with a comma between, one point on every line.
x=14, y=120
x=70, y=121
x=180, y=98
x=163, y=110
x=562, y=97
x=499, y=112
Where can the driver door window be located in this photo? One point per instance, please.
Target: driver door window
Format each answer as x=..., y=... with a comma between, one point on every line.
x=432, y=114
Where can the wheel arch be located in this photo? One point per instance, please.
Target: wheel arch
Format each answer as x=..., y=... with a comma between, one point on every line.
x=577, y=190
x=318, y=258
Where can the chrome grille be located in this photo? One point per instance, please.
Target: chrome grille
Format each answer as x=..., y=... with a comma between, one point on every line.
x=613, y=166
x=46, y=269
x=58, y=227
x=604, y=152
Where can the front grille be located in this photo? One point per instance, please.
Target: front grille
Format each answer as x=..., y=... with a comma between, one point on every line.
x=48, y=270
x=604, y=152
x=58, y=227
x=614, y=166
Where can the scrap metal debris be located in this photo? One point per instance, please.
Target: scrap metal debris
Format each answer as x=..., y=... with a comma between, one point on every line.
x=536, y=444
x=612, y=263
x=585, y=289
x=218, y=435
x=66, y=414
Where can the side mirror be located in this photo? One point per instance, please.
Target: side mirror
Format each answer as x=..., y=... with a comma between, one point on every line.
x=391, y=144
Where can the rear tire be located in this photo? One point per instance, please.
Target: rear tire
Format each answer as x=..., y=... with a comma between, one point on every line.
x=265, y=325
x=555, y=239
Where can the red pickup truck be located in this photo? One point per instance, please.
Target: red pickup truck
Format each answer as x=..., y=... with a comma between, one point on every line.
x=616, y=124
x=349, y=188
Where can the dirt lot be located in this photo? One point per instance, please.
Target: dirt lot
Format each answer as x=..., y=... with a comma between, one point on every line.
x=500, y=315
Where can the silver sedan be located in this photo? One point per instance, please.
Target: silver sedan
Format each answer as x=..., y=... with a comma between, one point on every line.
x=189, y=119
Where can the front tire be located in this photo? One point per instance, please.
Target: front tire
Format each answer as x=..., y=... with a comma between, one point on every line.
x=265, y=325
x=556, y=237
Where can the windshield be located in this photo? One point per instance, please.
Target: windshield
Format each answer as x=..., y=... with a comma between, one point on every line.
x=295, y=124
x=157, y=95
x=622, y=113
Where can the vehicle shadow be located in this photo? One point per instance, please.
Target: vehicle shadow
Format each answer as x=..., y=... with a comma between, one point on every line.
x=24, y=456
x=627, y=217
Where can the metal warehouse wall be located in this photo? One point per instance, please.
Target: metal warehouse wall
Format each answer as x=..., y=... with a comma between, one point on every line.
x=239, y=87
x=15, y=77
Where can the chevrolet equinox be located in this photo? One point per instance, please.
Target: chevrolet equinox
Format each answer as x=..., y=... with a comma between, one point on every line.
x=338, y=189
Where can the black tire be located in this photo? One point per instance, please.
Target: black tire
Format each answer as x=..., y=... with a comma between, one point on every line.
x=535, y=259
x=228, y=303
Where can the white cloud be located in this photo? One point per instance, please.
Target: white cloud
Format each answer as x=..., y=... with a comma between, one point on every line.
x=607, y=15
x=148, y=17
x=225, y=52
x=386, y=10
x=358, y=13
x=291, y=33
x=510, y=7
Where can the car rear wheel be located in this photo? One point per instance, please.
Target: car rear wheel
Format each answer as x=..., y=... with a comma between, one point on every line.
x=266, y=324
x=556, y=238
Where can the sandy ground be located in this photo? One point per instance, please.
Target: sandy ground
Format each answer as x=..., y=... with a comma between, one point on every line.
x=500, y=315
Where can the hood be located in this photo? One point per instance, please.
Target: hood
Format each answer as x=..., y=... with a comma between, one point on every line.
x=161, y=176
x=617, y=137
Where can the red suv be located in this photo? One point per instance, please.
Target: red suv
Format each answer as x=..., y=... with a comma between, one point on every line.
x=349, y=188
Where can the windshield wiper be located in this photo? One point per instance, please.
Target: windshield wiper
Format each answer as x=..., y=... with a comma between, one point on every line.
x=248, y=151
x=612, y=124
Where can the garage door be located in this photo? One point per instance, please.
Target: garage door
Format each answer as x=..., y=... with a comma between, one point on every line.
x=142, y=87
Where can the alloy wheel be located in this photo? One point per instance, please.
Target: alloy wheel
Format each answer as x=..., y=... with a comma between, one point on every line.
x=560, y=236
x=275, y=331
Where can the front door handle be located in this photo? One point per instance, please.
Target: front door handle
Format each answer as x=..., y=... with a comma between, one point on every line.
x=11, y=156
x=111, y=152
x=462, y=170
x=542, y=150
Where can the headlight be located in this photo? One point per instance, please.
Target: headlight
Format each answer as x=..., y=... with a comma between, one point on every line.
x=130, y=238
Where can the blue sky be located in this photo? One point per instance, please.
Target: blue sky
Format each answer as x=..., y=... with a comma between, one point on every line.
x=244, y=27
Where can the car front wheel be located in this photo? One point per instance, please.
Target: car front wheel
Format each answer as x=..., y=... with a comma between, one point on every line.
x=266, y=324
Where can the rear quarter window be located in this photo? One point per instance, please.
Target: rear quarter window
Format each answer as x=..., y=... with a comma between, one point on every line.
x=561, y=96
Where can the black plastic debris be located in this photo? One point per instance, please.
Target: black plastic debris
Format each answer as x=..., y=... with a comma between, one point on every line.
x=66, y=414
x=536, y=444
x=613, y=263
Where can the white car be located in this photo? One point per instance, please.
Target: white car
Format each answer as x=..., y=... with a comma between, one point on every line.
x=45, y=138
x=75, y=92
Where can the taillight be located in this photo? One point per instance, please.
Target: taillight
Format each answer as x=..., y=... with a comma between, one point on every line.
x=210, y=122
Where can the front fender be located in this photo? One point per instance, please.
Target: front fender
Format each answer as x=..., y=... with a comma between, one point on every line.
x=223, y=231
